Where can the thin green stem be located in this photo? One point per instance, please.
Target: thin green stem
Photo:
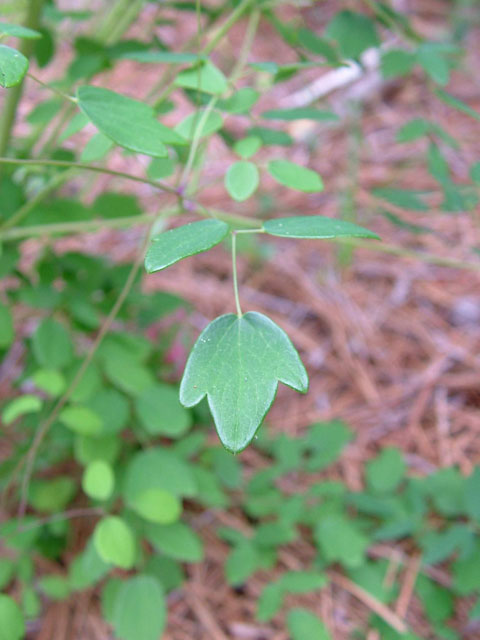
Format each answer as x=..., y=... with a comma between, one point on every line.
x=9, y=110
x=89, y=167
x=235, y=74
x=23, y=212
x=83, y=226
x=236, y=14
x=51, y=88
x=234, y=274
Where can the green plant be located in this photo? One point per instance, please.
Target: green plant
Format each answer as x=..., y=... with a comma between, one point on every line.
x=95, y=392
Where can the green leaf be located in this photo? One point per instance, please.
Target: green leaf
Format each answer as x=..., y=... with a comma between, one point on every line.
x=160, y=168
x=302, y=624
x=247, y=147
x=98, y=480
x=294, y=176
x=165, y=57
x=239, y=102
x=7, y=333
x=160, y=412
x=179, y=243
x=20, y=406
x=237, y=363
x=129, y=123
x=437, y=602
x=396, y=62
x=354, y=33
x=158, y=505
x=13, y=66
x=458, y=104
x=472, y=495
x=204, y=77
x=319, y=46
x=7, y=571
x=302, y=581
x=385, y=473
x=13, y=625
x=139, y=610
x=157, y=468
x=241, y=180
x=241, y=563
x=176, y=541
x=51, y=345
x=319, y=227
x=54, y=587
x=81, y=420
x=271, y=136
x=325, y=442
x=340, y=540
x=18, y=31
x=401, y=198
x=96, y=148
x=433, y=61
x=466, y=574
x=50, y=381
x=51, y=495
x=270, y=601
x=301, y=113
x=114, y=542
x=475, y=173
x=190, y=128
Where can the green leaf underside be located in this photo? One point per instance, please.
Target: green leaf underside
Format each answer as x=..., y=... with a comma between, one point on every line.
x=13, y=66
x=304, y=113
x=320, y=227
x=242, y=180
x=18, y=31
x=174, y=245
x=129, y=123
x=237, y=363
x=295, y=176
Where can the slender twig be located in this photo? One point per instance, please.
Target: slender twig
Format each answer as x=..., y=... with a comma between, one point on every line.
x=88, y=167
x=86, y=512
x=234, y=274
x=81, y=226
x=51, y=88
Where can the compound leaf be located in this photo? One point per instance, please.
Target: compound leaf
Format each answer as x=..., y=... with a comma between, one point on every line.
x=320, y=227
x=237, y=363
x=174, y=245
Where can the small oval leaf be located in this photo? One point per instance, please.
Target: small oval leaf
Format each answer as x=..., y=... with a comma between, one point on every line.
x=320, y=227
x=129, y=123
x=13, y=66
x=295, y=176
x=114, y=542
x=182, y=242
x=241, y=180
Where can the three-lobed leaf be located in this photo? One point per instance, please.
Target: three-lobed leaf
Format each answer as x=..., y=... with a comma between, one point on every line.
x=237, y=363
x=174, y=245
